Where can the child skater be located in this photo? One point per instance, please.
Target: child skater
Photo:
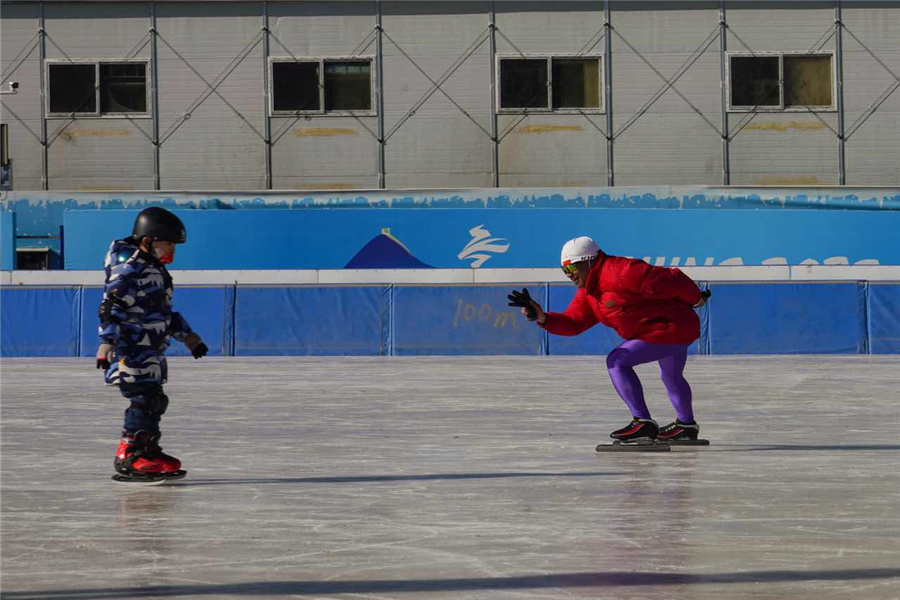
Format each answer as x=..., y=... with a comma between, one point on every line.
x=136, y=322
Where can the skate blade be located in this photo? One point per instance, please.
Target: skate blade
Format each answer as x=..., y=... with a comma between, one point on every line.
x=641, y=446
x=156, y=479
x=697, y=442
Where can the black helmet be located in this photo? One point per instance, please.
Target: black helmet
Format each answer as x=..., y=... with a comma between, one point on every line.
x=159, y=224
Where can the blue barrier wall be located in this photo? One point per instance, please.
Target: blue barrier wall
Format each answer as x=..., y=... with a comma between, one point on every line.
x=789, y=318
x=7, y=240
x=384, y=320
x=467, y=320
x=38, y=321
x=884, y=318
x=274, y=321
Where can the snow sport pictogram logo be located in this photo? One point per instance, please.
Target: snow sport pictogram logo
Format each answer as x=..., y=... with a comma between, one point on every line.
x=481, y=244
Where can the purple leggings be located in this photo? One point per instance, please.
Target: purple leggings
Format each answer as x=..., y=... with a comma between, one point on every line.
x=671, y=359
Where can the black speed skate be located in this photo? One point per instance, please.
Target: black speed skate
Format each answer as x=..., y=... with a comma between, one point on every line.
x=637, y=430
x=638, y=436
x=679, y=433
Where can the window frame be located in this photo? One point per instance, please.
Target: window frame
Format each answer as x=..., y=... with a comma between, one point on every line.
x=781, y=108
x=98, y=114
x=599, y=110
x=321, y=60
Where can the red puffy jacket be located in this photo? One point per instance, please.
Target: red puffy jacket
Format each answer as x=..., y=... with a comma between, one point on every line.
x=639, y=301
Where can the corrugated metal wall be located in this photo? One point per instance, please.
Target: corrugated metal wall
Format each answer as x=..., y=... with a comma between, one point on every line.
x=670, y=143
x=107, y=153
x=551, y=149
x=323, y=152
x=19, y=42
x=782, y=148
x=441, y=137
x=873, y=150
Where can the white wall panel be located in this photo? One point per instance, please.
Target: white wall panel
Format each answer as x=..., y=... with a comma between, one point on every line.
x=96, y=30
x=100, y=154
x=539, y=27
x=783, y=148
x=778, y=26
x=873, y=151
x=22, y=111
x=324, y=153
x=553, y=150
x=663, y=149
x=214, y=148
x=439, y=146
x=670, y=142
x=322, y=28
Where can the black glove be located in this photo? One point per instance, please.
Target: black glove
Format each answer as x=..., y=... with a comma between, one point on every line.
x=199, y=351
x=195, y=345
x=523, y=299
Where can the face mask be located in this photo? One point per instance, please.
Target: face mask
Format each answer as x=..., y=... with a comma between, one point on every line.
x=164, y=259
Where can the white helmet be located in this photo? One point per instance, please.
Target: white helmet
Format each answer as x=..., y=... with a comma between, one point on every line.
x=578, y=250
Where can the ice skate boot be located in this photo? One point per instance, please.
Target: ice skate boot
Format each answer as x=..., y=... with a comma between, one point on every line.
x=640, y=435
x=679, y=433
x=140, y=459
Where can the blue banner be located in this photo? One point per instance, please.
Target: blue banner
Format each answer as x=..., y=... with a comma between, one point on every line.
x=498, y=238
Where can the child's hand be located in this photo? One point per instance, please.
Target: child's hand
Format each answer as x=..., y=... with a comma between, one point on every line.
x=195, y=345
x=104, y=356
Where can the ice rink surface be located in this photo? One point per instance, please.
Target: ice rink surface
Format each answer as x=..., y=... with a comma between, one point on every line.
x=443, y=478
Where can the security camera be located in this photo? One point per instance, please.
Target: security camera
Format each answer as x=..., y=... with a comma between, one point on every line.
x=13, y=85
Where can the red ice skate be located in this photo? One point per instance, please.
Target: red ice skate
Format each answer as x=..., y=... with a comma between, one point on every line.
x=139, y=457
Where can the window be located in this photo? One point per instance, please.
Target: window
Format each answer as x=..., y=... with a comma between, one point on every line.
x=550, y=83
x=295, y=86
x=316, y=86
x=81, y=87
x=348, y=85
x=123, y=88
x=781, y=82
x=73, y=88
x=807, y=81
x=523, y=83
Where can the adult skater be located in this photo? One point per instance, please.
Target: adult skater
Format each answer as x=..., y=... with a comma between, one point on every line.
x=136, y=322
x=652, y=308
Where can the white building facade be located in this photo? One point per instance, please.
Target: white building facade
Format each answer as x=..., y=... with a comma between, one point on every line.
x=240, y=95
